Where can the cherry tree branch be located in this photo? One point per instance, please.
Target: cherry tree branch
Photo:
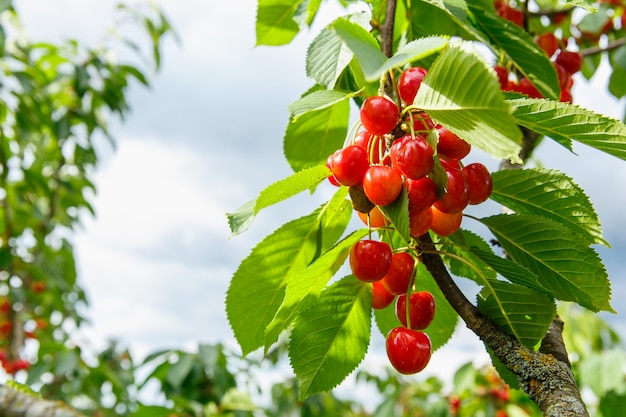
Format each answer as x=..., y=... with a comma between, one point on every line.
x=598, y=49
x=549, y=382
x=14, y=403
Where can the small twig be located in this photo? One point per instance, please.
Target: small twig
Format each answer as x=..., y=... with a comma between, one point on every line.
x=599, y=49
x=386, y=31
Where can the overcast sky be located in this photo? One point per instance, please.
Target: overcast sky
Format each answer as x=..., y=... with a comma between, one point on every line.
x=207, y=137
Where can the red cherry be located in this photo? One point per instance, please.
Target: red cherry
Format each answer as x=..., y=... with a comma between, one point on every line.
x=421, y=309
x=480, y=182
x=349, y=165
x=331, y=177
x=565, y=78
x=409, y=82
x=510, y=13
x=379, y=115
x=382, y=184
x=444, y=224
x=503, y=76
x=450, y=146
x=370, y=260
x=422, y=123
x=397, y=280
x=549, y=43
x=412, y=156
x=376, y=218
x=572, y=62
x=421, y=193
x=381, y=298
x=408, y=350
x=457, y=194
x=566, y=96
x=420, y=221
x=526, y=87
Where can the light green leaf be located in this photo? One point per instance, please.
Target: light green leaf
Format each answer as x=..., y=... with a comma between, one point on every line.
x=240, y=220
x=331, y=338
x=368, y=52
x=412, y=51
x=603, y=371
x=327, y=57
x=313, y=136
x=551, y=194
x=564, y=122
x=398, y=213
x=257, y=287
x=469, y=103
x=521, y=311
x=301, y=284
x=275, y=23
x=565, y=265
x=522, y=49
x=318, y=100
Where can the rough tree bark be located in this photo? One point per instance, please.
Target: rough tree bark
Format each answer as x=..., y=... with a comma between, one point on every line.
x=14, y=403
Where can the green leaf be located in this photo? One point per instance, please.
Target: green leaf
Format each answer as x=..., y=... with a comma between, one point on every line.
x=564, y=122
x=617, y=82
x=469, y=103
x=257, y=287
x=462, y=261
x=313, y=136
x=179, y=370
x=362, y=44
x=240, y=220
x=371, y=59
x=275, y=23
x=521, y=311
x=565, y=265
x=327, y=57
x=331, y=338
x=398, y=213
x=303, y=283
x=551, y=194
x=318, y=100
x=510, y=270
x=440, y=17
x=603, y=371
x=522, y=49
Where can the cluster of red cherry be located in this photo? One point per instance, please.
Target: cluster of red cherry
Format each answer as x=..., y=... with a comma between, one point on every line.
x=11, y=366
x=395, y=150
x=566, y=62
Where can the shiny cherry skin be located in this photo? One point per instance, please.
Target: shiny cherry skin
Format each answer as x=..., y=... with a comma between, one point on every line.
x=382, y=184
x=457, y=194
x=480, y=182
x=421, y=309
x=408, y=350
x=412, y=156
x=370, y=260
x=398, y=278
x=349, y=165
x=444, y=224
x=409, y=83
x=379, y=115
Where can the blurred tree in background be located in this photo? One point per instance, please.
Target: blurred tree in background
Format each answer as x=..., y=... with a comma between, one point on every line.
x=57, y=101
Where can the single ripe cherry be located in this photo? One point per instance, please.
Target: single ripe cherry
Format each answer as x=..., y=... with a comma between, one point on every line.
x=379, y=115
x=408, y=350
x=421, y=309
x=548, y=42
x=457, y=194
x=398, y=278
x=412, y=156
x=480, y=182
x=571, y=61
x=450, y=146
x=410, y=82
x=422, y=193
x=376, y=218
x=444, y=224
x=382, y=184
x=381, y=298
x=370, y=260
x=331, y=177
x=349, y=164
x=420, y=221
